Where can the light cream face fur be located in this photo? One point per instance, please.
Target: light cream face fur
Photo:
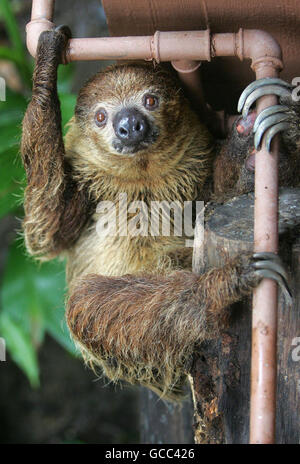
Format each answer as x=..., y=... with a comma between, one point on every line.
x=105, y=136
x=89, y=148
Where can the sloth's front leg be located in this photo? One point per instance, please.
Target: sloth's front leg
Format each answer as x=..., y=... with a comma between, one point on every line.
x=150, y=324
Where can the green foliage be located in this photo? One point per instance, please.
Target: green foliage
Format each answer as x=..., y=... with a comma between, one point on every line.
x=32, y=302
x=31, y=294
x=12, y=173
x=17, y=53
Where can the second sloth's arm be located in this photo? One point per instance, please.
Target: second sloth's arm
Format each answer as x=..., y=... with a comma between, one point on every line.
x=56, y=209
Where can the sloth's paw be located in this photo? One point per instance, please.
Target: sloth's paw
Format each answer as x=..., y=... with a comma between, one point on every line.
x=53, y=43
x=283, y=117
x=269, y=265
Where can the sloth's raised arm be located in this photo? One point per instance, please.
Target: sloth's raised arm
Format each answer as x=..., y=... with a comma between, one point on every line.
x=56, y=209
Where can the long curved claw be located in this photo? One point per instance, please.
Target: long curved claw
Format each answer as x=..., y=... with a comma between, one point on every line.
x=269, y=112
x=267, y=274
x=269, y=265
x=272, y=120
x=273, y=131
x=262, y=91
x=267, y=255
x=272, y=266
x=258, y=84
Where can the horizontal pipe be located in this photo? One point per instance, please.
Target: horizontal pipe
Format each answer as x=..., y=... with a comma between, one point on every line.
x=162, y=46
x=178, y=46
x=110, y=48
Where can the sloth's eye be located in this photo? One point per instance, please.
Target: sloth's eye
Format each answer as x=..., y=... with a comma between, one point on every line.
x=150, y=102
x=101, y=117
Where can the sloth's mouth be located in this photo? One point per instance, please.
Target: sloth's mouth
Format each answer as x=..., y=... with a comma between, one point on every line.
x=130, y=149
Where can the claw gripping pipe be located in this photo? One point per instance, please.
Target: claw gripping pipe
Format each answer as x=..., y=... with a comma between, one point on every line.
x=184, y=49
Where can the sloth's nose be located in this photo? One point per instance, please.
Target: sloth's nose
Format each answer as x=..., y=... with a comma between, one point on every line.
x=131, y=126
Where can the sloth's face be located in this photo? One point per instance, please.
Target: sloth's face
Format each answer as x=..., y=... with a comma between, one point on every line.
x=128, y=126
x=129, y=110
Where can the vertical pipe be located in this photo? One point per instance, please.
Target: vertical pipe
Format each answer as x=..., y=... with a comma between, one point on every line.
x=42, y=9
x=264, y=318
x=188, y=72
x=41, y=20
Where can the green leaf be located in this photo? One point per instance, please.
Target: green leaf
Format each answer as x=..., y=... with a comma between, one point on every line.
x=12, y=181
x=7, y=53
x=20, y=347
x=19, y=293
x=12, y=174
x=51, y=287
x=11, y=25
x=32, y=297
x=19, y=55
x=67, y=102
x=14, y=101
x=57, y=328
x=65, y=78
x=10, y=136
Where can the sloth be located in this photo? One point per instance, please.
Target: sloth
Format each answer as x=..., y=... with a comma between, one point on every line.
x=134, y=306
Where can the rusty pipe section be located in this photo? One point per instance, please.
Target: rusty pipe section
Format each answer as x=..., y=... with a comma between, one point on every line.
x=190, y=76
x=264, y=315
x=184, y=48
x=41, y=20
x=266, y=57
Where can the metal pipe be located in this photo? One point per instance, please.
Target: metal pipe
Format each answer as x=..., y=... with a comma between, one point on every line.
x=265, y=54
x=266, y=62
x=42, y=9
x=264, y=316
x=178, y=46
x=189, y=74
x=162, y=46
x=41, y=20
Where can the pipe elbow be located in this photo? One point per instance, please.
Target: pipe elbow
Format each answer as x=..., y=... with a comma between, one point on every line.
x=33, y=30
x=261, y=48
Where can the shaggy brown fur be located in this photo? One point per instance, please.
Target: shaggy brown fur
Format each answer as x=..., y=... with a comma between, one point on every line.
x=143, y=329
x=231, y=172
x=134, y=306
x=56, y=207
